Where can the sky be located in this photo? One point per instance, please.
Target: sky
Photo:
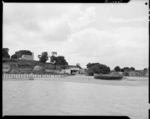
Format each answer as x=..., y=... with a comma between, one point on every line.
x=110, y=34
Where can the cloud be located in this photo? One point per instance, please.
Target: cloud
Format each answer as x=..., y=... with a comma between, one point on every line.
x=81, y=18
x=82, y=33
x=120, y=20
x=120, y=47
x=36, y=23
x=54, y=30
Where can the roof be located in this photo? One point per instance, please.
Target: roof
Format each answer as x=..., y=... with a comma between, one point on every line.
x=74, y=66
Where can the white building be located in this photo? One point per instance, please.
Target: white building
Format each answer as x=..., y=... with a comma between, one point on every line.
x=28, y=57
x=72, y=70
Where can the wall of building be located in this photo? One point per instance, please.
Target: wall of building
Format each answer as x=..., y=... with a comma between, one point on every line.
x=28, y=57
x=138, y=73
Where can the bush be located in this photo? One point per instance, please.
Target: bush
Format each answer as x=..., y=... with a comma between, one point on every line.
x=97, y=68
x=126, y=74
x=19, y=54
x=117, y=69
x=5, y=53
x=43, y=58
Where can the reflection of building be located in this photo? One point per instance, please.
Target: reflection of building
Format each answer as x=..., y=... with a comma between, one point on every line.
x=28, y=57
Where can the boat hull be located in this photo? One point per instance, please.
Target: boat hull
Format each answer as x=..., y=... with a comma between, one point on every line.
x=108, y=76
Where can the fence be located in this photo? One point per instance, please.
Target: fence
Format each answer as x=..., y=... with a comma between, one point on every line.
x=27, y=76
x=42, y=76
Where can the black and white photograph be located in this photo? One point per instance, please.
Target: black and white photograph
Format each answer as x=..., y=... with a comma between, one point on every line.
x=75, y=59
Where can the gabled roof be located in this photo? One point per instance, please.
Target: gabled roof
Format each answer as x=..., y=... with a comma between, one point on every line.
x=74, y=66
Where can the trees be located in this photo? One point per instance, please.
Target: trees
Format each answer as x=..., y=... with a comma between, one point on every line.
x=54, y=53
x=132, y=69
x=97, y=68
x=19, y=54
x=117, y=69
x=91, y=64
x=122, y=70
x=44, y=57
x=53, y=59
x=78, y=65
x=88, y=65
x=125, y=69
x=58, y=60
x=61, y=61
x=145, y=69
x=5, y=53
x=14, y=56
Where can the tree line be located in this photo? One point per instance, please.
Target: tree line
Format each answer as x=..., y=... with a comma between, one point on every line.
x=104, y=69
x=60, y=60
x=118, y=69
x=43, y=58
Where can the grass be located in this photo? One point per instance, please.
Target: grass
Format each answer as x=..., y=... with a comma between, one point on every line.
x=28, y=63
x=20, y=66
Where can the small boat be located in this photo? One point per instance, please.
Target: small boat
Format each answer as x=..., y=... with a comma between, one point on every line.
x=108, y=76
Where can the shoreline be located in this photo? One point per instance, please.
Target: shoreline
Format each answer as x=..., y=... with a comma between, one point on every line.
x=126, y=81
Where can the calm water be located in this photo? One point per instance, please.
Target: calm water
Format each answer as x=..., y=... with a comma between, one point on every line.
x=44, y=97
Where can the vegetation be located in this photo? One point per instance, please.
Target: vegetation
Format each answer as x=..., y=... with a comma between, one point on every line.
x=19, y=54
x=145, y=69
x=43, y=58
x=54, y=53
x=127, y=69
x=14, y=56
x=58, y=60
x=117, y=69
x=78, y=65
x=19, y=63
x=97, y=68
x=132, y=69
x=126, y=73
x=5, y=53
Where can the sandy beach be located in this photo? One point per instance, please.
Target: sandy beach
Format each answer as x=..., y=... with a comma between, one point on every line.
x=76, y=95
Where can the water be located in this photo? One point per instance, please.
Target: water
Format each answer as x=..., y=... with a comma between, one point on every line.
x=47, y=97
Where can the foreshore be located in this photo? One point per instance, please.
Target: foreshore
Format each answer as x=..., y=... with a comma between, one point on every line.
x=128, y=81
x=76, y=95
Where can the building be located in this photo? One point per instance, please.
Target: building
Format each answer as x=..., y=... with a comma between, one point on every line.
x=71, y=69
x=28, y=57
x=138, y=73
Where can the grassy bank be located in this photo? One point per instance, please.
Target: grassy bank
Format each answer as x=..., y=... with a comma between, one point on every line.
x=30, y=63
